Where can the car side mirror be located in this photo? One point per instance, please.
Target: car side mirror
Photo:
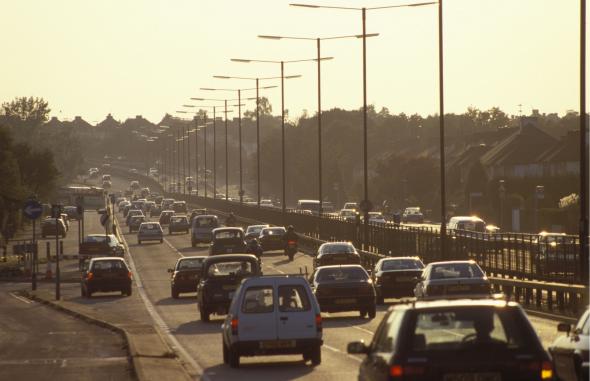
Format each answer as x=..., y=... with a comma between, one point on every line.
x=564, y=327
x=357, y=347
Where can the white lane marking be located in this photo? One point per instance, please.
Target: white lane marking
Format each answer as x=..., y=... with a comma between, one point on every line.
x=353, y=326
x=158, y=319
x=24, y=300
x=341, y=352
x=173, y=248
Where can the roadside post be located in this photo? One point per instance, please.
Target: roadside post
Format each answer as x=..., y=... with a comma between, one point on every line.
x=33, y=210
x=55, y=213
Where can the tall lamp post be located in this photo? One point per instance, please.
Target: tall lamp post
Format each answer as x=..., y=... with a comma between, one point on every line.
x=240, y=124
x=584, y=223
x=282, y=64
x=366, y=205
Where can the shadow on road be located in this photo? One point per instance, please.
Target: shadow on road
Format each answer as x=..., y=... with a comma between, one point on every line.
x=289, y=370
x=186, y=299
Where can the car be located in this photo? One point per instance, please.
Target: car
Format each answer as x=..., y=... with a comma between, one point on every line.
x=133, y=170
x=570, y=351
x=351, y=205
x=412, y=215
x=467, y=223
x=113, y=246
x=147, y=206
x=106, y=177
x=253, y=231
x=185, y=275
x=107, y=184
x=48, y=227
x=150, y=231
x=64, y=217
x=396, y=277
x=227, y=241
x=165, y=216
x=376, y=218
x=272, y=238
x=197, y=212
x=220, y=277
x=106, y=274
x=179, y=207
x=336, y=253
x=145, y=192
x=135, y=222
x=155, y=210
x=461, y=339
x=349, y=215
x=166, y=203
x=202, y=228
x=267, y=203
x=72, y=212
x=123, y=204
x=452, y=277
x=131, y=213
x=272, y=315
x=126, y=210
x=134, y=185
x=344, y=288
x=178, y=224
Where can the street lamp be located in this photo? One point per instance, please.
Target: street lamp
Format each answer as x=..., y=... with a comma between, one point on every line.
x=365, y=204
x=239, y=105
x=282, y=63
x=318, y=42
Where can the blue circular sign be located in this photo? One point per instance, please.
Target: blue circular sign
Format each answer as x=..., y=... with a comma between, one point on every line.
x=33, y=209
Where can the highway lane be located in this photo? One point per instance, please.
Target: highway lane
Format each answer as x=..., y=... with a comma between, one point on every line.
x=202, y=341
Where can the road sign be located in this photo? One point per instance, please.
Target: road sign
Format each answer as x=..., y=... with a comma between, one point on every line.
x=33, y=209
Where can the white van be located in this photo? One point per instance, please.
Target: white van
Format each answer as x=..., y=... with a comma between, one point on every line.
x=470, y=223
x=273, y=315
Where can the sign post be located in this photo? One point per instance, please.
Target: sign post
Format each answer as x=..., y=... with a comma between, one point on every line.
x=56, y=213
x=33, y=210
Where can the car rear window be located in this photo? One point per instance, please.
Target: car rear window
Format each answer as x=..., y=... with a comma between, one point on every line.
x=293, y=298
x=462, y=327
x=334, y=249
x=456, y=270
x=178, y=219
x=274, y=231
x=230, y=268
x=228, y=234
x=258, y=300
x=342, y=274
x=206, y=222
x=108, y=265
x=192, y=263
x=150, y=226
x=96, y=239
x=402, y=264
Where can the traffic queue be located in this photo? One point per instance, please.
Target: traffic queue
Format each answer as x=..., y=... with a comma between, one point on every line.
x=443, y=321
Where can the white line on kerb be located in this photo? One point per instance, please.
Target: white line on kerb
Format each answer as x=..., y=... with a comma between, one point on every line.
x=25, y=300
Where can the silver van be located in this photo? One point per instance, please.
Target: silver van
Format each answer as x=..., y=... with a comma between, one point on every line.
x=201, y=228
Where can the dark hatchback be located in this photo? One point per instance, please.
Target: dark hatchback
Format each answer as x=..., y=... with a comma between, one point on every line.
x=344, y=288
x=178, y=224
x=336, y=253
x=106, y=274
x=135, y=222
x=272, y=238
x=185, y=275
x=165, y=217
x=197, y=212
x=220, y=277
x=396, y=277
x=454, y=340
x=570, y=352
x=452, y=278
x=227, y=241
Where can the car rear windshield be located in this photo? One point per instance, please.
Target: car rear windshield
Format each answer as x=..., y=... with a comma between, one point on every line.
x=293, y=298
x=206, y=222
x=254, y=229
x=402, y=264
x=178, y=219
x=333, y=249
x=108, y=265
x=192, y=263
x=228, y=234
x=258, y=300
x=150, y=227
x=464, y=327
x=456, y=270
x=96, y=239
x=274, y=231
x=342, y=274
x=230, y=268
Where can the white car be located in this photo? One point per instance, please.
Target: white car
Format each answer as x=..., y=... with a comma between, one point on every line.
x=376, y=218
x=273, y=315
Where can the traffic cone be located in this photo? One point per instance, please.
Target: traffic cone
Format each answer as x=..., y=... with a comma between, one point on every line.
x=49, y=271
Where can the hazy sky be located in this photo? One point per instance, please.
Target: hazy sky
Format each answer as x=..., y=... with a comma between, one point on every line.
x=131, y=57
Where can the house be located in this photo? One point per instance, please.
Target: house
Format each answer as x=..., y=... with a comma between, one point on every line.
x=563, y=158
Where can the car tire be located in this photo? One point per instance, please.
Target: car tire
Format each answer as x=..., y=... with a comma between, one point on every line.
x=128, y=291
x=362, y=313
x=380, y=299
x=225, y=352
x=204, y=314
x=234, y=357
x=174, y=293
x=316, y=355
x=82, y=292
x=88, y=294
x=306, y=355
x=372, y=312
x=161, y=241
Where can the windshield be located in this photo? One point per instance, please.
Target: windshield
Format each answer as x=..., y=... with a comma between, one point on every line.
x=456, y=270
x=334, y=249
x=150, y=227
x=178, y=220
x=206, y=222
x=255, y=229
x=96, y=239
x=402, y=264
x=228, y=234
x=230, y=268
x=190, y=263
x=342, y=274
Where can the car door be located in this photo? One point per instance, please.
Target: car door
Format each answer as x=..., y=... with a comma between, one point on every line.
x=375, y=366
x=257, y=314
x=296, y=317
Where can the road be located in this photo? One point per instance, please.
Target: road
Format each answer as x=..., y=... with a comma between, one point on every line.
x=201, y=342
x=39, y=343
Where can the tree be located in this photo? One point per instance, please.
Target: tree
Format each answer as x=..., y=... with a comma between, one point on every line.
x=30, y=111
x=265, y=109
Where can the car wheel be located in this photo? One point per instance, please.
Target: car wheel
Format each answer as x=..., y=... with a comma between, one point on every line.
x=204, y=314
x=316, y=355
x=380, y=299
x=127, y=291
x=174, y=293
x=225, y=352
x=306, y=356
x=82, y=292
x=362, y=313
x=161, y=241
x=234, y=357
x=372, y=312
x=88, y=294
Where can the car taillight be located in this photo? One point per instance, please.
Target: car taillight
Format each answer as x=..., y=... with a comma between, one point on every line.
x=399, y=371
x=89, y=276
x=234, y=326
x=292, y=242
x=542, y=368
x=318, y=322
x=129, y=274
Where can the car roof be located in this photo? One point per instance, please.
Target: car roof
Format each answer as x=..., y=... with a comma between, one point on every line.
x=258, y=226
x=458, y=302
x=470, y=261
x=107, y=259
x=193, y=257
x=150, y=222
x=230, y=257
x=400, y=258
x=228, y=228
x=340, y=266
x=275, y=279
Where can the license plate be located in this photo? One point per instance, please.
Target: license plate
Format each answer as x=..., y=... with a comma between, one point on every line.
x=345, y=301
x=277, y=344
x=229, y=287
x=461, y=287
x=472, y=377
